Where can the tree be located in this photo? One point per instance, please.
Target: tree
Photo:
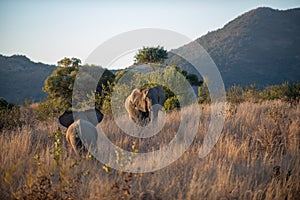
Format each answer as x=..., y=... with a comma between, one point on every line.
x=203, y=92
x=151, y=55
x=69, y=62
x=60, y=82
x=59, y=85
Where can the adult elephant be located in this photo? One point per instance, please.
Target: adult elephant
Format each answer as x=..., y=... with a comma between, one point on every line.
x=77, y=121
x=143, y=105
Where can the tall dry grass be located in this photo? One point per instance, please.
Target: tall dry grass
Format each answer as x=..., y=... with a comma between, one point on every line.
x=256, y=157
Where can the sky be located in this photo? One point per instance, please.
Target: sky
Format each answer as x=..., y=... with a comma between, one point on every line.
x=47, y=31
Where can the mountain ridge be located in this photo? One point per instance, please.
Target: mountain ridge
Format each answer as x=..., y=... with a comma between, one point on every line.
x=261, y=46
x=21, y=78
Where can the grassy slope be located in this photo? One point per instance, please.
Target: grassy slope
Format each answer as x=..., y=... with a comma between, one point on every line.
x=256, y=138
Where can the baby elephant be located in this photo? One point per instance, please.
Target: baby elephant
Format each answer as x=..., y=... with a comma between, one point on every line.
x=75, y=122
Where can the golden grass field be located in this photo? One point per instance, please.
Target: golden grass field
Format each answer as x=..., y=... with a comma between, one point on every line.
x=256, y=157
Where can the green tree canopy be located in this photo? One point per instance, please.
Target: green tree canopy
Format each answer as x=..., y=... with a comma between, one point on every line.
x=151, y=55
x=59, y=85
x=69, y=62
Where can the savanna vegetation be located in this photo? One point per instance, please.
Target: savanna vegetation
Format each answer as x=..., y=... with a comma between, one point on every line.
x=256, y=157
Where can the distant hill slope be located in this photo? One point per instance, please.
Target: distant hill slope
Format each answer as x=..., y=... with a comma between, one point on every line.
x=261, y=46
x=21, y=79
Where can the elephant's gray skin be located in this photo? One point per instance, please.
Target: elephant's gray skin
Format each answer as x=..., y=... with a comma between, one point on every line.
x=75, y=122
x=140, y=104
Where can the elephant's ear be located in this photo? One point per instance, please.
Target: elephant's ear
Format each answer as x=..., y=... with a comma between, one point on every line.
x=99, y=115
x=135, y=95
x=66, y=119
x=145, y=93
x=94, y=116
x=147, y=99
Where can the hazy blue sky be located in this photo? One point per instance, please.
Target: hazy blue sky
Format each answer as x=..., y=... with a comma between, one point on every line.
x=47, y=31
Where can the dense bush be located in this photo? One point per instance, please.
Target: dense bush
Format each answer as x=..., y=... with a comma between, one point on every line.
x=286, y=91
x=59, y=85
x=9, y=115
x=203, y=94
x=289, y=92
x=52, y=107
x=171, y=103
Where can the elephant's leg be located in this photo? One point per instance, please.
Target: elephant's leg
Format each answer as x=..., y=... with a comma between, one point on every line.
x=155, y=113
x=155, y=117
x=144, y=118
x=73, y=139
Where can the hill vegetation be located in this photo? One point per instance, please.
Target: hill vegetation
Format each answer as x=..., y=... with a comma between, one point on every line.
x=21, y=79
x=259, y=47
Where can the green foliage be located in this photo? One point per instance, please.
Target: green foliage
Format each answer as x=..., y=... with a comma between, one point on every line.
x=171, y=103
x=151, y=55
x=235, y=94
x=86, y=96
x=119, y=74
x=286, y=91
x=59, y=85
x=103, y=98
x=203, y=94
x=251, y=93
x=69, y=62
x=193, y=79
x=52, y=107
x=9, y=115
x=56, y=138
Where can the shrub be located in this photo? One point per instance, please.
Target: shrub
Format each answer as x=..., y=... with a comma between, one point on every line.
x=203, y=93
x=51, y=108
x=9, y=115
x=171, y=103
x=289, y=92
x=285, y=91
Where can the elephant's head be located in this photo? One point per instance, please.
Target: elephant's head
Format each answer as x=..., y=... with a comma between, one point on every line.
x=93, y=116
x=139, y=103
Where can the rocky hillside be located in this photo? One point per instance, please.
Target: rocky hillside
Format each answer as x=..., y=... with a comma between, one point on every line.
x=21, y=79
x=261, y=46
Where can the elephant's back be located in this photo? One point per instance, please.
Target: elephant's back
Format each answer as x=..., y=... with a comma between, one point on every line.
x=86, y=130
x=158, y=95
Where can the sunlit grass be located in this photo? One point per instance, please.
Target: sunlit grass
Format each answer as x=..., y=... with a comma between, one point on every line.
x=256, y=157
